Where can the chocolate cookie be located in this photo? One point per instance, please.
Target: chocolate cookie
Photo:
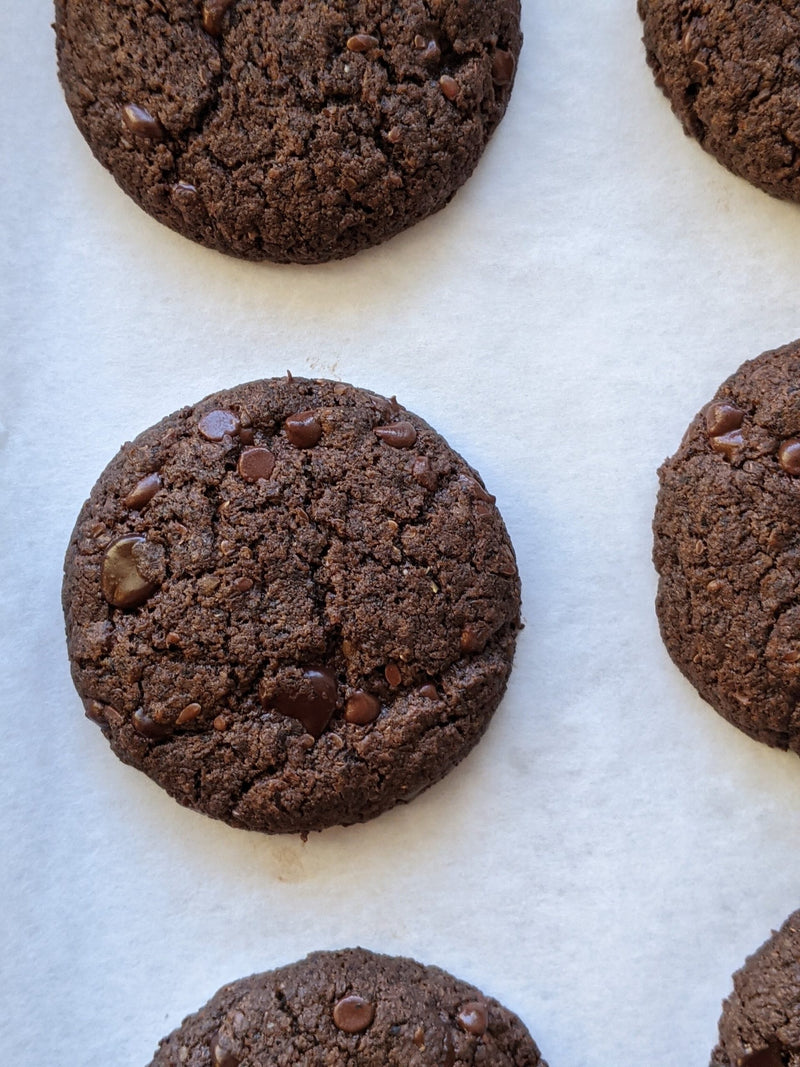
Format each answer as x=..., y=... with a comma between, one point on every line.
x=292, y=605
x=732, y=74
x=350, y=1007
x=760, y=1023
x=295, y=130
x=727, y=548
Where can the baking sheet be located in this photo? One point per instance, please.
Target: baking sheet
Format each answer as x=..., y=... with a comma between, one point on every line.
x=612, y=850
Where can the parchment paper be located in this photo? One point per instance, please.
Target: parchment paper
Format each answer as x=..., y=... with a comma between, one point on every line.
x=612, y=850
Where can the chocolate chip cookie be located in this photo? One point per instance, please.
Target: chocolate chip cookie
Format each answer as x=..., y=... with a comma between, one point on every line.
x=292, y=605
x=350, y=1007
x=296, y=130
x=732, y=74
x=727, y=549
x=760, y=1023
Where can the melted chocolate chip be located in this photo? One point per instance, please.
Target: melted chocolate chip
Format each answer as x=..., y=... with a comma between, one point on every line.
x=475, y=489
x=143, y=492
x=765, y=1057
x=303, y=429
x=255, y=463
x=473, y=638
x=502, y=67
x=727, y=444
x=150, y=728
x=141, y=123
x=789, y=456
x=429, y=691
x=422, y=473
x=247, y=435
x=392, y=674
x=361, y=42
x=221, y=1055
x=473, y=1018
x=213, y=12
x=353, y=1014
x=361, y=708
x=215, y=425
x=448, y=1050
x=449, y=86
x=312, y=703
x=397, y=434
x=722, y=417
x=121, y=583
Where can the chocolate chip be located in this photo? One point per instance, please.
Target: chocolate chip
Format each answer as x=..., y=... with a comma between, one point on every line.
x=473, y=1018
x=191, y=711
x=143, y=492
x=394, y=135
x=150, y=728
x=473, y=637
x=423, y=474
x=221, y=1055
x=502, y=67
x=429, y=691
x=312, y=702
x=475, y=489
x=722, y=417
x=432, y=53
x=448, y=1050
x=303, y=429
x=361, y=42
x=449, y=86
x=255, y=463
x=121, y=583
x=141, y=123
x=243, y=585
x=353, y=1014
x=727, y=444
x=215, y=425
x=789, y=456
x=213, y=12
x=361, y=708
x=765, y=1057
x=221, y=723
x=419, y=1037
x=397, y=434
x=392, y=674
x=419, y=41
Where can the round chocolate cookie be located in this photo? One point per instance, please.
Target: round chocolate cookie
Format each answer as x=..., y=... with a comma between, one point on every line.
x=294, y=130
x=732, y=74
x=760, y=1022
x=292, y=605
x=727, y=549
x=350, y=1007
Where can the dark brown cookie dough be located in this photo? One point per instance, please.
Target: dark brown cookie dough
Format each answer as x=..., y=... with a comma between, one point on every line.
x=760, y=1023
x=731, y=71
x=296, y=130
x=291, y=605
x=334, y=1009
x=727, y=549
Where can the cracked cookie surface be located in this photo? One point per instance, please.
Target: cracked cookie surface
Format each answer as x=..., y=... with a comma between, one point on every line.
x=727, y=549
x=731, y=71
x=292, y=605
x=333, y=1009
x=299, y=130
x=760, y=1022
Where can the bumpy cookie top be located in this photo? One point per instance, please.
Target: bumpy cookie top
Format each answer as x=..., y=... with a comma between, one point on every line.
x=292, y=605
x=732, y=74
x=727, y=548
x=296, y=130
x=341, y=1008
x=760, y=1023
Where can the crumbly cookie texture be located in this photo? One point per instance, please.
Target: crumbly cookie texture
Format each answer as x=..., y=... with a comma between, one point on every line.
x=760, y=1023
x=334, y=1009
x=292, y=605
x=727, y=549
x=732, y=76
x=299, y=130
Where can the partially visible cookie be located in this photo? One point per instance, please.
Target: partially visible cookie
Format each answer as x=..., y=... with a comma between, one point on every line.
x=732, y=74
x=727, y=549
x=292, y=605
x=294, y=130
x=350, y=1007
x=760, y=1023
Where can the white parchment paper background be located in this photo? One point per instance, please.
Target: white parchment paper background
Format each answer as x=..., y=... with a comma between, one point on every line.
x=612, y=850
